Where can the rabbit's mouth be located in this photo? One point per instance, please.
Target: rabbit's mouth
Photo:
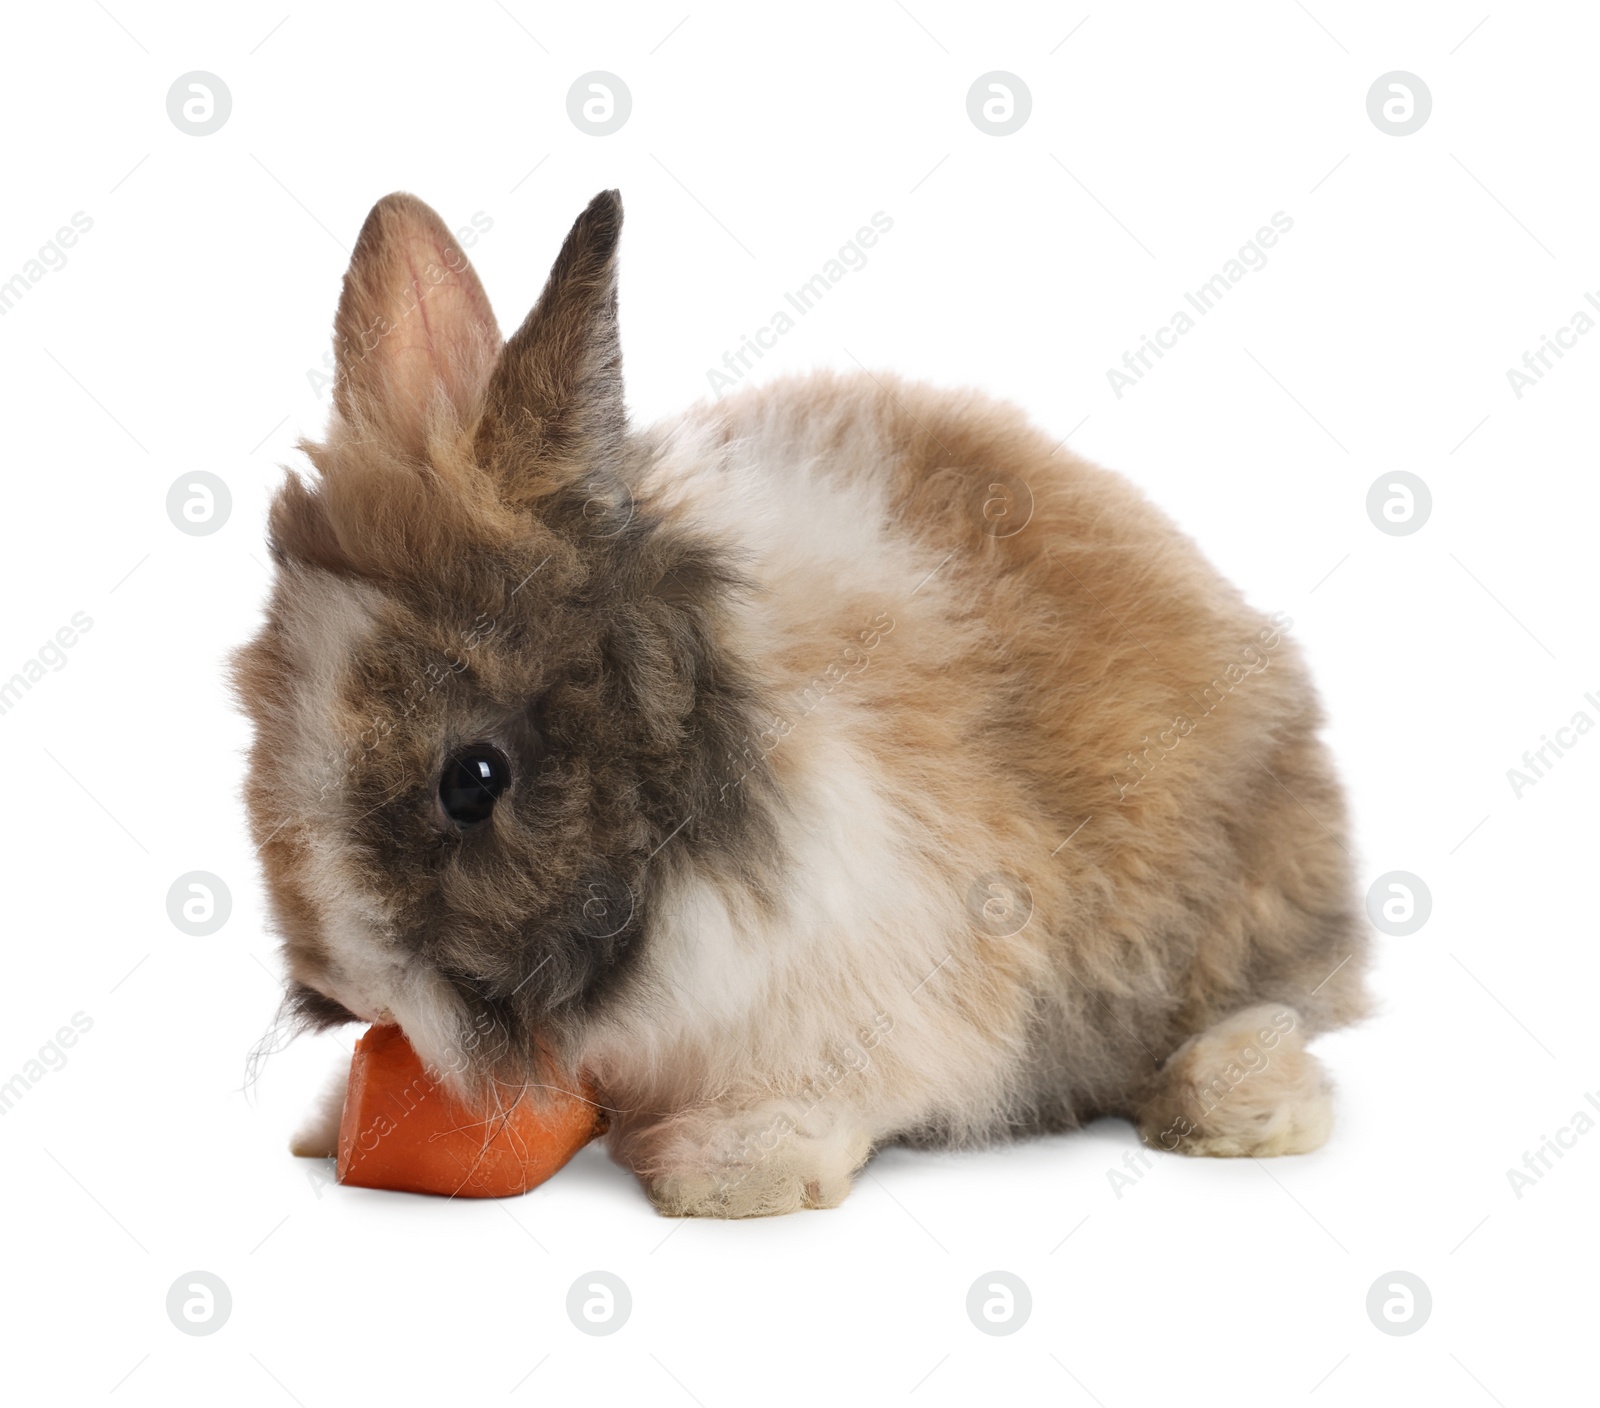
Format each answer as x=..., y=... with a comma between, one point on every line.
x=315, y=1011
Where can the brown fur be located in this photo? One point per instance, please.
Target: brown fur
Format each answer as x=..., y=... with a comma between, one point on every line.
x=1008, y=701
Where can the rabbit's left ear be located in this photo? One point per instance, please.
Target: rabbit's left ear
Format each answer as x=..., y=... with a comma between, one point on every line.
x=554, y=411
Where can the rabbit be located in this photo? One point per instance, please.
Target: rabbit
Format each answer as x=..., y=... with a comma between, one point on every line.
x=835, y=765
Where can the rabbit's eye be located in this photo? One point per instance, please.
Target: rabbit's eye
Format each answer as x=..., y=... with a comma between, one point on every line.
x=473, y=779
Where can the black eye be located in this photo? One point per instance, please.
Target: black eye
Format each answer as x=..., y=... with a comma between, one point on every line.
x=473, y=779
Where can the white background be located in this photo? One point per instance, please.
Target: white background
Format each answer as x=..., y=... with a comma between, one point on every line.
x=179, y=336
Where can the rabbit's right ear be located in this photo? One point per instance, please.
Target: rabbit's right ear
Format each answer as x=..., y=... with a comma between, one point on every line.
x=553, y=413
x=414, y=334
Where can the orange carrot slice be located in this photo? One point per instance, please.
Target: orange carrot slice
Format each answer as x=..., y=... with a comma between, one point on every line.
x=402, y=1129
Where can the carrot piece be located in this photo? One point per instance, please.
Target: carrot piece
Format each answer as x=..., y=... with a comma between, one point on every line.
x=402, y=1130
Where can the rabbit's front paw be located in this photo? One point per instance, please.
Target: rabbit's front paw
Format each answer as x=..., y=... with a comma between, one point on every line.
x=318, y=1134
x=761, y=1191
x=755, y=1164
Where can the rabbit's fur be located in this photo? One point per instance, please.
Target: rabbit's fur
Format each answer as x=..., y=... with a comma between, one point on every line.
x=880, y=770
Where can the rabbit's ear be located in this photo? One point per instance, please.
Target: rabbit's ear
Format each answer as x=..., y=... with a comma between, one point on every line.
x=414, y=327
x=554, y=406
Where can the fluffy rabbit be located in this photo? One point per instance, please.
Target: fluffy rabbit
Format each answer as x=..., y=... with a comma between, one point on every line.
x=838, y=763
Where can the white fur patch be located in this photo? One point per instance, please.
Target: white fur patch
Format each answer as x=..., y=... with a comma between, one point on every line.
x=871, y=932
x=326, y=619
